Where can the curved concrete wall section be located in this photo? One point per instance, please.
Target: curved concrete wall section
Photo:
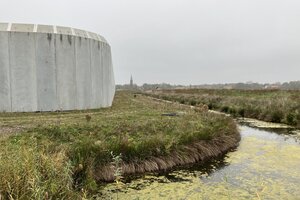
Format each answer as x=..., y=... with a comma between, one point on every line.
x=48, y=68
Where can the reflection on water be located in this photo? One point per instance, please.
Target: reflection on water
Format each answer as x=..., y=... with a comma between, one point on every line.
x=266, y=165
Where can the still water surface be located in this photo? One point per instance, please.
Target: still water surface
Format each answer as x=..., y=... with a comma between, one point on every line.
x=266, y=165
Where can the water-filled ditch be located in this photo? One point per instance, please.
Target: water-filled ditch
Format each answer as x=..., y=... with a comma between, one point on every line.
x=265, y=165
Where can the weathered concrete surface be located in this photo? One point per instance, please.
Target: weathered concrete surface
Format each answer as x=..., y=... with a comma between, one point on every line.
x=48, y=68
x=5, y=96
x=22, y=72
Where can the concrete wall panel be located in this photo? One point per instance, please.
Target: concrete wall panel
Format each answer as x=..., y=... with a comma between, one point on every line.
x=102, y=75
x=46, y=72
x=66, y=71
x=83, y=73
x=111, y=83
x=5, y=100
x=23, y=72
x=96, y=74
x=105, y=76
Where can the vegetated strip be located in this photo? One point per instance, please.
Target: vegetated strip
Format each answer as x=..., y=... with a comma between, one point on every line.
x=72, y=152
x=197, y=152
x=267, y=105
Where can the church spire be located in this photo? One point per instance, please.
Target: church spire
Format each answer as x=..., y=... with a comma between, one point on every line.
x=131, y=81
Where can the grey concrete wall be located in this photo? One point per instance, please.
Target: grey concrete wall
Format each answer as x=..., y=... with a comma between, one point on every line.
x=5, y=98
x=66, y=71
x=46, y=72
x=83, y=73
x=105, y=72
x=46, y=68
x=96, y=74
x=23, y=72
x=111, y=80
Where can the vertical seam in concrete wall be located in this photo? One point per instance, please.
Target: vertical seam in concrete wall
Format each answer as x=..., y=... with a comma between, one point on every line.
x=103, y=83
x=9, y=70
x=112, y=78
x=58, y=106
x=102, y=75
x=35, y=72
x=75, y=72
x=91, y=82
x=91, y=72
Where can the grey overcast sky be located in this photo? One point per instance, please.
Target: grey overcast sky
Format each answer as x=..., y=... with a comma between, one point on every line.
x=182, y=41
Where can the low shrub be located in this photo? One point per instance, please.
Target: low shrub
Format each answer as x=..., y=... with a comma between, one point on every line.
x=182, y=101
x=291, y=119
x=193, y=102
x=225, y=109
x=241, y=112
x=277, y=116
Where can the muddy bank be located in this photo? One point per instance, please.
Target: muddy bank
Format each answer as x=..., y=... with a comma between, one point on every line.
x=198, y=152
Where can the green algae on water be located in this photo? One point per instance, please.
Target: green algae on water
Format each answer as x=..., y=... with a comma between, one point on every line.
x=265, y=166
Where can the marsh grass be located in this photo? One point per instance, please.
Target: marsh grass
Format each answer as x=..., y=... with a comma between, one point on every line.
x=267, y=105
x=47, y=159
x=29, y=171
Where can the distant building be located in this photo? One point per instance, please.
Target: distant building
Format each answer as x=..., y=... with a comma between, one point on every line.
x=131, y=82
x=129, y=86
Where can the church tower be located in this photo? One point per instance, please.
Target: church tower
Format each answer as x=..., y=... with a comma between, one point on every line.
x=131, y=81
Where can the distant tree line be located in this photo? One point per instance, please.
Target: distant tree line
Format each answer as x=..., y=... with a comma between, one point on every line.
x=147, y=86
x=292, y=85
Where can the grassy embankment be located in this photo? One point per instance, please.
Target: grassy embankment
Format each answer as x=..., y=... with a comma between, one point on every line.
x=267, y=105
x=67, y=154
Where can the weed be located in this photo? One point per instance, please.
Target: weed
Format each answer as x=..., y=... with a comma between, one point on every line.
x=117, y=161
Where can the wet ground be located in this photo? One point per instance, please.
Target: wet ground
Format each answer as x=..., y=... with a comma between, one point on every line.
x=266, y=165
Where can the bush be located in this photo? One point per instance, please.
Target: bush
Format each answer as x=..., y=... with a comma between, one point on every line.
x=241, y=112
x=182, y=101
x=291, y=119
x=193, y=102
x=277, y=116
x=211, y=106
x=166, y=98
x=232, y=111
x=225, y=109
x=298, y=120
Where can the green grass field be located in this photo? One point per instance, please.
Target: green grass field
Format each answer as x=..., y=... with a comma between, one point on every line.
x=58, y=155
